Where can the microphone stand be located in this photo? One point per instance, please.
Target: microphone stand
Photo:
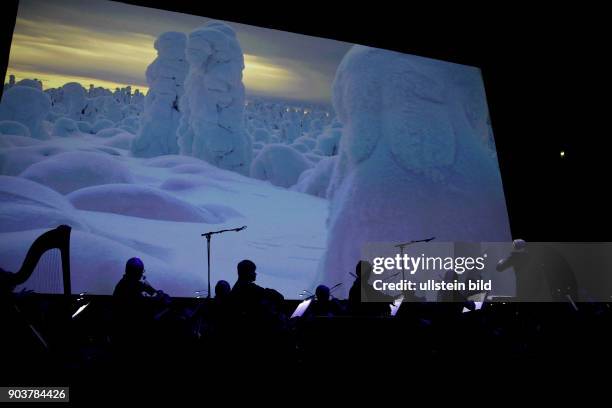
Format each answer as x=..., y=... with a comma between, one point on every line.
x=208, y=236
x=405, y=244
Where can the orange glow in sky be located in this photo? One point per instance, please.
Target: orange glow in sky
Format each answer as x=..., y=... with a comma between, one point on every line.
x=58, y=53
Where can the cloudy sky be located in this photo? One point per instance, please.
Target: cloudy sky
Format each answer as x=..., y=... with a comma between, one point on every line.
x=110, y=44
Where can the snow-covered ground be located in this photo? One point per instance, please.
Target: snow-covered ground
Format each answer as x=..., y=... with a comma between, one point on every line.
x=405, y=153
x=156, y=209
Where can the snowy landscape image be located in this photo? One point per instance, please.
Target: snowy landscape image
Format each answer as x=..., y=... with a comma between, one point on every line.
x=143, y=128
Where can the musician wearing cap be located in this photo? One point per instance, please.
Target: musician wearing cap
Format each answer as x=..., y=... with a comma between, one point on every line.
x=133, y=285
x=134, y=313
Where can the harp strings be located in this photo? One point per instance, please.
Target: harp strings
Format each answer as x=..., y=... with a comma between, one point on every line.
x=47, y=276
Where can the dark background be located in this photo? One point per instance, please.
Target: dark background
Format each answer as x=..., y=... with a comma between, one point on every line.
x=543, y=70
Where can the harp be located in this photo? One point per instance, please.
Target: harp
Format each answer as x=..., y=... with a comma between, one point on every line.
x=36, y=274
x=57, y=239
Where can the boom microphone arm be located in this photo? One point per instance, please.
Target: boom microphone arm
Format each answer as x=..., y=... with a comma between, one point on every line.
x=208, y=234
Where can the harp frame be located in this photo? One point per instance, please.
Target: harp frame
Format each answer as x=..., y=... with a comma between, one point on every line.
x=57, y=238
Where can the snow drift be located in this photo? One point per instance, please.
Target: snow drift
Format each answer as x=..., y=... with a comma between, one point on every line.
x=139, y=201
x=70, y=171
x=279, y=164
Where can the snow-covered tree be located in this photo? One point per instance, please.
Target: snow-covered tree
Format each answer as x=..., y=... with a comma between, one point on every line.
x=212, y=126
x=28, y=106
x=410, y=165
x=165, y=77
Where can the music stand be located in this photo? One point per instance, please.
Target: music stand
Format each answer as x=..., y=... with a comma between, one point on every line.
x=301, y=308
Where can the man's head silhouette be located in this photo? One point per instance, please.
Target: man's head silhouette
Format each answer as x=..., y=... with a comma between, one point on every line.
x=134, y=268
x=322, y=293
x=246, y=271
x=363, y=270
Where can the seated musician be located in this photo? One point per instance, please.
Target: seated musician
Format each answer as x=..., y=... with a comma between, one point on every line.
x=364, y=299
x=133, y=314
x=222, y=291
x=323, y=304
x=245, y=291
x=248, y=299
x=218, y=311
x=132, y=286
x=131, y=295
